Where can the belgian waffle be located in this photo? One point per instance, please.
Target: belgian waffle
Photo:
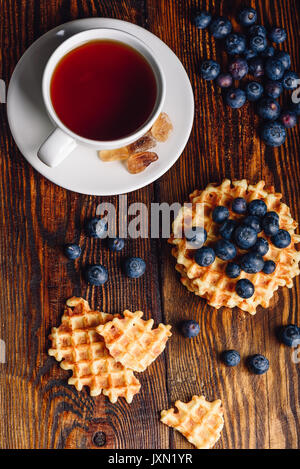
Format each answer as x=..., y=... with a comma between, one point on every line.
x=77, y=345
x=211, y=282
x=200, y=421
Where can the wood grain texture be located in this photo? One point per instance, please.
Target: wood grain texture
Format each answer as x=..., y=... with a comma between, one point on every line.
x=38, y=408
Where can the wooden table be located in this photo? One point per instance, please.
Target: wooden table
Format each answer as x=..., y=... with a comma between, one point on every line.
x=38, y=408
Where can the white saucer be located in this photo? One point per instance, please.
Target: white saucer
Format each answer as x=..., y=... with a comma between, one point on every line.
x=82, y=171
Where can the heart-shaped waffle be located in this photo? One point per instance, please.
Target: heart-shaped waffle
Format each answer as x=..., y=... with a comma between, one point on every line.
x=200, y=421
x=132, y=341
x=211, y=282
x=77, y=345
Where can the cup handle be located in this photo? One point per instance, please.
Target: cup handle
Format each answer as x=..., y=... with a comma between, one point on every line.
x=56, y=148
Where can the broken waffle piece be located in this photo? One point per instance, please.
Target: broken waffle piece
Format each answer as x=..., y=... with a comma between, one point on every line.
x=200, y=421
x=132, y=341
x=162, y=128
x=138, y=162
x=77, y=345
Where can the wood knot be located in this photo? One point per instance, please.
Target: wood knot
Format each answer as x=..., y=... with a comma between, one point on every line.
x=99, y=439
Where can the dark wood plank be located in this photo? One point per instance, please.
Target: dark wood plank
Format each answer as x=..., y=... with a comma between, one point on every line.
x=36, y=217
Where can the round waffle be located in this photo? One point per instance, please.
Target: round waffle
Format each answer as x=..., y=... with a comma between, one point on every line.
x=212, y=282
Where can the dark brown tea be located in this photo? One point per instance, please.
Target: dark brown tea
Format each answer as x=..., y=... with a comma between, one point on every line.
x=103, y=90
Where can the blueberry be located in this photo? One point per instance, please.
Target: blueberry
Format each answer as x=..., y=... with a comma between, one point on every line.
x=257, y=30
x=96, y=275
x=220, y=214
x=277, y=35
x=290, y=80
x=205, y=256
x=225, y=250
x=257, y=43
x=72, y=251
x=134, y=267
x=261, y=246
x=273, y=89
x=290, y=335
x=253, y=222
x=269, y=267
x=202, y=19
x=273, y=133
x=196, y=236
x=270, y=223
x=258, y=364
x=247, y=16
x=239, y=205
x=284, y=58
x=272, y=215
x=274, y=68
x=244, y=288
x=210, y=69
x=249, y=53
x=268, y=109
x=254, y=90
x=268, y=52
x=257, y=208
x=235, y=97
x=190, y=328
x=115, y=244
x=295, y=107
x=220, y=27
x=245, y=236
x=231, y=357
x=224, y=80
x=256, y=67
x=252, y=263
x=227, y=229
x=238, y=68
x=288, y=119
x=282, y=239
x=235, y=44
x=233, y=270
x=96, y=228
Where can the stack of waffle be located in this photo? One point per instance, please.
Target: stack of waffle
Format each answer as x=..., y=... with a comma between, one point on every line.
x=211, y=282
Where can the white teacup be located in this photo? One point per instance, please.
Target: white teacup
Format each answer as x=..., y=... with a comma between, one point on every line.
x=62, y=141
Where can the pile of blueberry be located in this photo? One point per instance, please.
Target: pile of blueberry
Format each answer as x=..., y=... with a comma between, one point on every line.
x=252, y=54
x=133, y=267
x=257, y=364
x=242, y=234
